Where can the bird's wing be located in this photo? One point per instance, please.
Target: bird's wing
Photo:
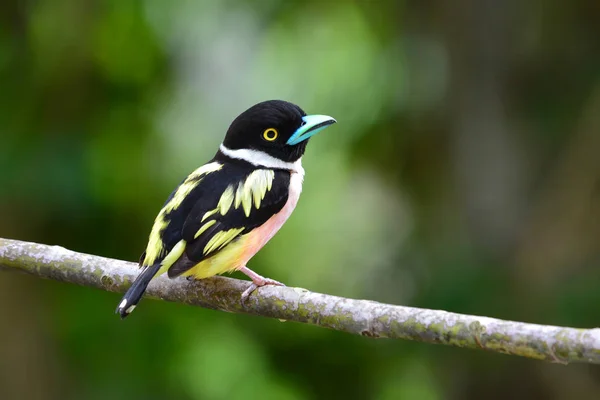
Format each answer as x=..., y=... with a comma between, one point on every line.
x=167, y=227
x=228, y=208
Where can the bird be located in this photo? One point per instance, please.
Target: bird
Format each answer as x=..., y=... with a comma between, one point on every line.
x=225, y=211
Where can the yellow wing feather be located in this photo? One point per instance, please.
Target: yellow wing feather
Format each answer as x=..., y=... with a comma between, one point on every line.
x=173, y=255
x=221, y=239
x=204, y=227
x=155, y=248
x=245, y=194
x=225, y=201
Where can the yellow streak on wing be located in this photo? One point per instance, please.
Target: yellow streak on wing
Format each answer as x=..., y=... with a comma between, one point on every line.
x=247, y=200
x=253, y=189
x=204, y=227
x=270, y=181
x=257, y=196
x=209, y=214
x=155, y=247
x=220, y=239
x=189, y=184
x=226, y=200
x=270, y=177
x=223, y=205
x=238, y=196
x=258, y=181
x=173, y=256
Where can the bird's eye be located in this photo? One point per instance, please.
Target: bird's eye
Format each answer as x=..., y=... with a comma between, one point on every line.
x=270, y=134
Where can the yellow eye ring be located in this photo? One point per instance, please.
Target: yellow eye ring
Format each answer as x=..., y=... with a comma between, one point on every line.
x=270, y=134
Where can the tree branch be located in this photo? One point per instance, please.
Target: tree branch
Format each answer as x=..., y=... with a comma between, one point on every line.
x=361, y=317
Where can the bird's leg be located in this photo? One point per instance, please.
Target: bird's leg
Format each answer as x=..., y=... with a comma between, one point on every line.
x=257, y=281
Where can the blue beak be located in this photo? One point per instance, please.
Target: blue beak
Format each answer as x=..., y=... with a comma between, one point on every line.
x=311, y=125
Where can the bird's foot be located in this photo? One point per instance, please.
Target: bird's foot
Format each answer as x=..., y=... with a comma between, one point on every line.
x=255, y=285
x=257, y=281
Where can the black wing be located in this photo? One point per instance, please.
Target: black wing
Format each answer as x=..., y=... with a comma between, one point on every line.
x=228, y=203
x=166, y=230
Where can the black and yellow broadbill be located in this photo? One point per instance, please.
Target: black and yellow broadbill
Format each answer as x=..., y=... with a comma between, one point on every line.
x=224, y=212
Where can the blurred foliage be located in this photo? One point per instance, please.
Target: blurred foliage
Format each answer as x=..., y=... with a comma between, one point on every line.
x=463, y=175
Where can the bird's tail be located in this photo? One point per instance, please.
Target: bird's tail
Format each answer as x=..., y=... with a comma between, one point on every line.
x=136, y=291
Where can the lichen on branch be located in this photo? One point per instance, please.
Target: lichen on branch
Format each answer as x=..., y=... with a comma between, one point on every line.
x=361, y=317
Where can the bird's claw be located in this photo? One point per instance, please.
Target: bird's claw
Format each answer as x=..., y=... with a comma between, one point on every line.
x=256, y=284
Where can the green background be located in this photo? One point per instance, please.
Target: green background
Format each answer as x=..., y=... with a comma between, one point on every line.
x=463, y=175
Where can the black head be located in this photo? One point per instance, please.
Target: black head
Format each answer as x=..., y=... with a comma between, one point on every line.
x=276, y=127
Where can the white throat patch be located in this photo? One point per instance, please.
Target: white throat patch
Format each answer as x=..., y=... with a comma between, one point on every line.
x=262, y=159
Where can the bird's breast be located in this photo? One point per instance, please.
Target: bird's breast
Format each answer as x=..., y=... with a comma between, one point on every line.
x=261, y=235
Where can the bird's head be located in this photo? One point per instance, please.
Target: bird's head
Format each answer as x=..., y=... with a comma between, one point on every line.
x=275, y=127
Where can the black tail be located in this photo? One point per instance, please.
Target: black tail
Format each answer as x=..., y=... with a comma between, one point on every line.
x=136, y=291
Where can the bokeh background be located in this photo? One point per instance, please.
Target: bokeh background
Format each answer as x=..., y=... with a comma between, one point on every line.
x=464, y=175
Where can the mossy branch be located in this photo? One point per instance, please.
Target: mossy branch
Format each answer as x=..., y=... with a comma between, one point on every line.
x=361, y=317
